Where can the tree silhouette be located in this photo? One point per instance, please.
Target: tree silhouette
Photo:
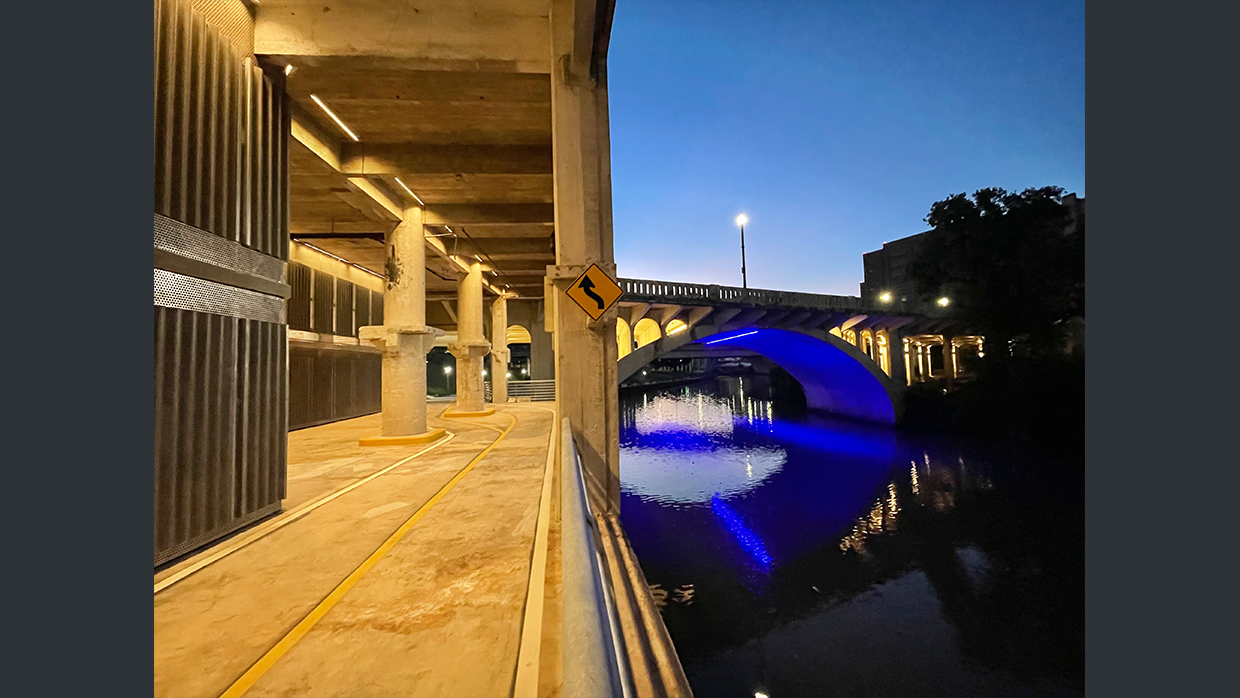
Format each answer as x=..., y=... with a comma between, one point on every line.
x=1011, y=262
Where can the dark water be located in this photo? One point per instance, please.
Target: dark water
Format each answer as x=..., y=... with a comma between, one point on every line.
x=803, y=556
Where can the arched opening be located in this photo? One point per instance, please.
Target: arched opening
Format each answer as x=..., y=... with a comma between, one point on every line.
x=517, y=334
x=675, y=327
x=833, y=375
x=884, y=351
x=646, y=331
x=850, y=336
x=867, y=344
x=624, y=338
x=518, y=353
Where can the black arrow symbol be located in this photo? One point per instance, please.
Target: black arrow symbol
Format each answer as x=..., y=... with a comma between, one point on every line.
x=586, y=285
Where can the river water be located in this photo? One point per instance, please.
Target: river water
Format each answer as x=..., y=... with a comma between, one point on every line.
x=805, y=556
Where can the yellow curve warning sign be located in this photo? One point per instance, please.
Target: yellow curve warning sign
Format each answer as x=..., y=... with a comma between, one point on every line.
x=595, y=291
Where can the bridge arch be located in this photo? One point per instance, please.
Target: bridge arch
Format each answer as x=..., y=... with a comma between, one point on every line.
x=624, y=338
x=646, y=331
x=834, y=374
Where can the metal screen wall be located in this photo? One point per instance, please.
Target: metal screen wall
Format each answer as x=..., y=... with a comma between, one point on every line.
x=326, y=385
x=221, y=236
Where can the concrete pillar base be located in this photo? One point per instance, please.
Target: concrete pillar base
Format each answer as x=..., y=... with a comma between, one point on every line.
x=469, y=388
x=411, y=440
x=404, y=379
x=462, y=413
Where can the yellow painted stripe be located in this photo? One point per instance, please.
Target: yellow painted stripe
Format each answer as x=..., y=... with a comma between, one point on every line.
x=251, y=676
x=273, y=525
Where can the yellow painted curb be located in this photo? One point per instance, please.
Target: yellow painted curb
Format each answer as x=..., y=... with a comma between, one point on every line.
x=414, y=440
x=485, y=413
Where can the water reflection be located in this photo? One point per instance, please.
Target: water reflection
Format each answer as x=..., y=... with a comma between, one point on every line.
x=848, y=563
x=682, y=449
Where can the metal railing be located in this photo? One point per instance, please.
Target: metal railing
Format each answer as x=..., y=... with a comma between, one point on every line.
x=592, y=633
x=708, y=294
x=522, y=391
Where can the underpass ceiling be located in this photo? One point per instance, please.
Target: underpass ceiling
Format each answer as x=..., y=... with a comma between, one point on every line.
x=475, y=148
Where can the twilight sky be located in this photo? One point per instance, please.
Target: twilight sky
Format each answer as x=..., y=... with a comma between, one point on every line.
x=834, y=125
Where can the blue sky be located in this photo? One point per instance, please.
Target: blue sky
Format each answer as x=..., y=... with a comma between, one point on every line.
x=834, y=125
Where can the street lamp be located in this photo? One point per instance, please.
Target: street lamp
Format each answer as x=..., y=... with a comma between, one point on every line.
x=945, y=301
x=885, y=296
x=741, y=220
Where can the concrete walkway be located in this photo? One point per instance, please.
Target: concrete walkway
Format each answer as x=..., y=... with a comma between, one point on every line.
x=438, y=613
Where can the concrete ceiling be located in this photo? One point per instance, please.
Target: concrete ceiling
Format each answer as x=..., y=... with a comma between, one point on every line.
x=470, y=138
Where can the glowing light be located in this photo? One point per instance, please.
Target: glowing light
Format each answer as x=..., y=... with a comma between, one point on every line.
x=415, y=198
x=508, y=375
x=735, y=336
x=335, y=118
x=288, y=69
x=760, y=695
x=338, y=259
x=749, y=540
x=742, y=219
x=885, y=296
x=447, y=370
x=944, y=301
x=676, y=326
x=484, y=373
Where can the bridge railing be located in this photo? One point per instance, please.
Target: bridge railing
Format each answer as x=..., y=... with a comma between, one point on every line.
x=711, y=294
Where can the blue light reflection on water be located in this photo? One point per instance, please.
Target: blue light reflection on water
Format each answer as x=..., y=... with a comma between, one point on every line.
x=747, y=539
x=824, y=556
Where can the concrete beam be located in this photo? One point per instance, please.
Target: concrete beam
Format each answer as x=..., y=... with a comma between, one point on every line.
x=317, y=139
x=722, y=316
x=494, y=214
x=465, y=35
x=667, y=313
x=414, y=159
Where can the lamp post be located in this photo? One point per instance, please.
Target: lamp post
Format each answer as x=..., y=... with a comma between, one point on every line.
x=741, y=220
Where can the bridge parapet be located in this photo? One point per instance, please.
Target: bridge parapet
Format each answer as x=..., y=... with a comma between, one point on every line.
x=650, y=291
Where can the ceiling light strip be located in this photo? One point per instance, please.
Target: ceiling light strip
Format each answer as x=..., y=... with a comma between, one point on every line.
x=339, y=259
x=415, y=196
x=335, y=118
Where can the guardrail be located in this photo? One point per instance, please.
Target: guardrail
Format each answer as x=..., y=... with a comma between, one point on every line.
x=592, y=634
x=708, y=294
x=534, y=391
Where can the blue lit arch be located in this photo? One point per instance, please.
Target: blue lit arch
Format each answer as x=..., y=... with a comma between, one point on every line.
x=835, y=375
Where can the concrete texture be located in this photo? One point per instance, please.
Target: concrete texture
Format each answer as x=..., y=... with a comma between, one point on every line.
x=439, y=615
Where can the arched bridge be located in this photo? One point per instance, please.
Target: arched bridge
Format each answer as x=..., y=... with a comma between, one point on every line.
x=852, y=356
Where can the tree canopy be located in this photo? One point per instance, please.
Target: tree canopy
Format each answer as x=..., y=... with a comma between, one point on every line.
x=1013, y=263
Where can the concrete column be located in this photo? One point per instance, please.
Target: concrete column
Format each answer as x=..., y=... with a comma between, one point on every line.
x=542, y=348
x=404, y=337
x=499, y=351
x=470, y=348
x=585, y=349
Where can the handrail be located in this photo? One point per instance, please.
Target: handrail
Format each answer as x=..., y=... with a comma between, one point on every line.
x=594, y=660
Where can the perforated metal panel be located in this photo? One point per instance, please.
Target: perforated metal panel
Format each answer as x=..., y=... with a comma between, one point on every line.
x=221, y=134
x=344, y=308
x=220, y=199
x=326, y=385
x=299, y=301
x=220, y=421
x=174, y=290
x=376, y=309
x=361, y=307
x=324, y=300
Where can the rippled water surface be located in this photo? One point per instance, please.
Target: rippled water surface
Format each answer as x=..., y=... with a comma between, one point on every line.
x=799, y=556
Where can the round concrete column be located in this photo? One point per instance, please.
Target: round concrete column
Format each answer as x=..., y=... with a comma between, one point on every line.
x=470, y=347
x=499, y=350
x=404, y=302
x=404, y=386
x=404, y=337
